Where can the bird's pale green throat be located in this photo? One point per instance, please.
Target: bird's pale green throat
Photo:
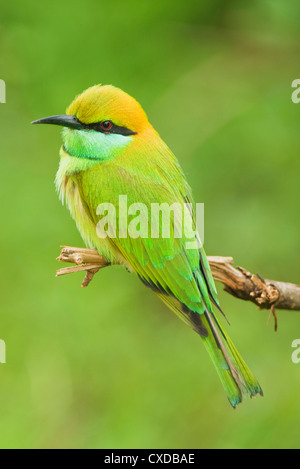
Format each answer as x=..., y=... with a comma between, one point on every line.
x=93, y=145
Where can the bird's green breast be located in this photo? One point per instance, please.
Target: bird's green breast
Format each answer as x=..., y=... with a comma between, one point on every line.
x=69, y=187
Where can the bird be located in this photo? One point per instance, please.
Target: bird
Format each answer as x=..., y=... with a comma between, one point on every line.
x=109, y=150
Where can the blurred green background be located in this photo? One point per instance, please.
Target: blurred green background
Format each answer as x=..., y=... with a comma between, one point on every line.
x=109, y=366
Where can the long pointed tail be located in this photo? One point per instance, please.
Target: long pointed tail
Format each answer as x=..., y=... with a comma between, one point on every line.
x=238, y=381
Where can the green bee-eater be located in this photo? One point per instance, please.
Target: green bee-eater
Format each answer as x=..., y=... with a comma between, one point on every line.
x=110, y=149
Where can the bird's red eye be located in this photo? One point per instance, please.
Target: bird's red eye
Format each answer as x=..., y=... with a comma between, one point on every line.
x=106, y=125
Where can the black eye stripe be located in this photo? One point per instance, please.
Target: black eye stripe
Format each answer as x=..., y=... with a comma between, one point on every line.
x=113, y=129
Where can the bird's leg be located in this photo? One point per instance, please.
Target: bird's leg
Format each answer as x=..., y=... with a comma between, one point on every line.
x=88, y=260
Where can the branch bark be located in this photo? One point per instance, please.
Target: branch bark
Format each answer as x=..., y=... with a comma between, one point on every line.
x=266, y=294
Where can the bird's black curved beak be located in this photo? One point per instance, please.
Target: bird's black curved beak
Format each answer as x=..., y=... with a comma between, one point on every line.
x=66, y=121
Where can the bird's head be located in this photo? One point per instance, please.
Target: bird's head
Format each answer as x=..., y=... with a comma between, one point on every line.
x=100, y=123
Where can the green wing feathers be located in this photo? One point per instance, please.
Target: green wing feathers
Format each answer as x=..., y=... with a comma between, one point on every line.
x=180, y=277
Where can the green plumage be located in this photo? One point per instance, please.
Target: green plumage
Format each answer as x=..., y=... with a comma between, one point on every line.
x=145, y=170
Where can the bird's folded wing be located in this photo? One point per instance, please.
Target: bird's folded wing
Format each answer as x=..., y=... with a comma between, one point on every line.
x=163, y=263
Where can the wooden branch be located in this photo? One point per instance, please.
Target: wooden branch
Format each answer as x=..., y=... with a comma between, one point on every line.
x=87, y=260
x=266, y=294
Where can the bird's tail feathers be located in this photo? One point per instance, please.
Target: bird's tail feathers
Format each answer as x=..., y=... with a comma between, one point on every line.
x=237, y=379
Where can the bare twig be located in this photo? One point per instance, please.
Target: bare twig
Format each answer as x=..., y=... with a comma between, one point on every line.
x=85, y=259
x=266, y=294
